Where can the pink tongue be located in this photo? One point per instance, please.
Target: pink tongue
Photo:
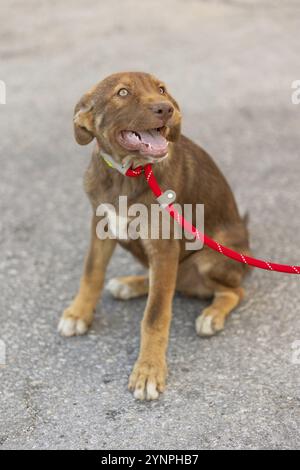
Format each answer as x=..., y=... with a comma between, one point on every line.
x=154, y=138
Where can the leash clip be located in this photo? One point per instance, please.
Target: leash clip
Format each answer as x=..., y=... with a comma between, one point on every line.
x=166, y=198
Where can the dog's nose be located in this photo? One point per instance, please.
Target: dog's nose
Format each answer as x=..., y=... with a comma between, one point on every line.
x=163, y=110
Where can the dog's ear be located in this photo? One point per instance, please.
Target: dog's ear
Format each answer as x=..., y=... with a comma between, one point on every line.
x=84, y=120
x=174, y=132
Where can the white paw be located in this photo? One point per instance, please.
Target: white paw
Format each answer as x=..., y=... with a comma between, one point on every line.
x=72, y=327
x=149, y=392
x=120, y=290
x=204, y=325
x=147, y=380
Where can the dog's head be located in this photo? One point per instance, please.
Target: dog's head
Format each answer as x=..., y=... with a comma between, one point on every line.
x=129, y=114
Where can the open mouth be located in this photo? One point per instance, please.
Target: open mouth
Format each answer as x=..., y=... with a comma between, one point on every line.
x=150, y=142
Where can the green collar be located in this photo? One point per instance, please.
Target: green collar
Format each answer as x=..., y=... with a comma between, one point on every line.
x=113, y=164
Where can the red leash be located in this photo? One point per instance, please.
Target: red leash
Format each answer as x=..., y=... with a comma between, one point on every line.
x=155, y=188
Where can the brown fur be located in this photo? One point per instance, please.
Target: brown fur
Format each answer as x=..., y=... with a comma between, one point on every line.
x=195, y=178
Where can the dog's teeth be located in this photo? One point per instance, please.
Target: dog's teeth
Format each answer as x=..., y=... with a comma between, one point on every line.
x=136, y=135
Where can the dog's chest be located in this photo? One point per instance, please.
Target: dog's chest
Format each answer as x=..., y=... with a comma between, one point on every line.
x=118, y=224
x=118, y=213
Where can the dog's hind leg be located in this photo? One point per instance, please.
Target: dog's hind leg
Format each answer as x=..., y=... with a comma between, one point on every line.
x=225, y=277
x=128, y=287
x=212, y=319
x=206, y=274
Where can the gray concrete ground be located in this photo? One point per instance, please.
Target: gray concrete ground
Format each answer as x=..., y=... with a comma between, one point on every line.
x=231, y=65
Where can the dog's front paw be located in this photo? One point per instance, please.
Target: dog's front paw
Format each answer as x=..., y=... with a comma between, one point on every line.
x=73, y=324
x=148, y=379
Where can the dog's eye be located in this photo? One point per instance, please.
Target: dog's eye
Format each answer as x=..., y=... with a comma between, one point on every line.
x=162, y=90
x=123, y=92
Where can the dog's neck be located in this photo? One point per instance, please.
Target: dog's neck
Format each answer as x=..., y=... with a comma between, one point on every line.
x=127, y=161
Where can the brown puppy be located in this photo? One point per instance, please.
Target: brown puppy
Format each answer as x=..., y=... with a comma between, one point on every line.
x=133, y=118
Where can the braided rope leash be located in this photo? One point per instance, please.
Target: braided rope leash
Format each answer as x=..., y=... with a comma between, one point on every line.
x=258, y=263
